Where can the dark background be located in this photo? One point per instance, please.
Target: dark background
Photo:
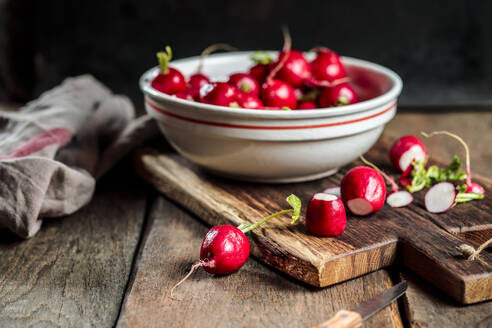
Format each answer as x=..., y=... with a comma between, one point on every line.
x=441, y=49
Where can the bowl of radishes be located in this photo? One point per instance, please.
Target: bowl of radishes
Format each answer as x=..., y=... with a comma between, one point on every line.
x=295, y=122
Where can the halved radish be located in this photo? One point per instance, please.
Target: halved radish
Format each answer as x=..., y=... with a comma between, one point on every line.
x=363, y=190
x=440, y=197
x=406, y=150
x=399, y=199
x=332, y=191
x=325, y=215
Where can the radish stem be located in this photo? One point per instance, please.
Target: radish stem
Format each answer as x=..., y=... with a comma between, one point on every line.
x=248, y=227
x=164, y=57
x=392, y=182
x=467, y=151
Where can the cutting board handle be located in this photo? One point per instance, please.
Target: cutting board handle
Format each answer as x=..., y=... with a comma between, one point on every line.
x=342, y=319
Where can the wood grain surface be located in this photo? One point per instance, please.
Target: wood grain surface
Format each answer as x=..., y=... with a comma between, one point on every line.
x=368, y=243
x=426, y=307
x=253, y=297
x=73, y=273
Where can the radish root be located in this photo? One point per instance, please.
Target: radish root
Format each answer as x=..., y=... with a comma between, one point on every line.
x=287, y=47
x=467, y=150
x=212, y=48
x=193, y=268
x=392, y=182
x=472, y=254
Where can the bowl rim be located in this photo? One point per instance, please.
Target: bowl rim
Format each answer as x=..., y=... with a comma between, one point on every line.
x=386, y=97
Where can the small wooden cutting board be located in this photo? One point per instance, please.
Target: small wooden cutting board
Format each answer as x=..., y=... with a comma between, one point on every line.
x=424, y=242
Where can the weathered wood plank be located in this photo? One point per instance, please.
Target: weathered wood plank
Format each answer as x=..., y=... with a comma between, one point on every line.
x=73, y=273
x=428, y=307
x=253, y=297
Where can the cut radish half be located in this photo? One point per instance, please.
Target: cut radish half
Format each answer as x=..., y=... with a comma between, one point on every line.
x=332, y=191
x=440, y=197
x=415, y=153
x=360, y=206
x=399, y=199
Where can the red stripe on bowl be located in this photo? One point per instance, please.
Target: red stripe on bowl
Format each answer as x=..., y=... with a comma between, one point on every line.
x=259, y=127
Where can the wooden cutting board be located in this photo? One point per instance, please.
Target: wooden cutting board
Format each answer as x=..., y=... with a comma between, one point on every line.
x=424, y=242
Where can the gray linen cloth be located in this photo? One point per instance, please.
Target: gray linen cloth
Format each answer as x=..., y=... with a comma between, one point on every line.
x=55, y=148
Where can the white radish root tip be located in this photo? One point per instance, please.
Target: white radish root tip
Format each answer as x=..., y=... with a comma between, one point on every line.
x=193, y=268
x=286, y=50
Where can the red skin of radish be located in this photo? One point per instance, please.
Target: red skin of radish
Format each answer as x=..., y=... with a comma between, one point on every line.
x=221, y=94
x=260, y=72
x=249, y=101
x=476, y=188
x=403, y=145
x=170, y=83
x=245, y=83
x=308, y=104
x=225, y=249
x=189, y=94
x=276, y=93
x=340, y=94
x=327, y=66
x=295, y=70
x=326, y=218
x=198, y=80
x=365, y=183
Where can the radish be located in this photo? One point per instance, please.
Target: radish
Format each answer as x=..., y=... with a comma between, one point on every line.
x=338, y=95
x=169, y=80
x=308, y=104
x=440, y=197
x=276, y=93
x=295, y=70
x=245, y=83
x=198, y=80
x=325, y=215
x=249, y=101
x=471, y=186
x=406, y=150
x=332, y=191
x=225, y=248
x=363, y=190
x=220, y=94
x=263, y=65
x=396, y=198
x=327, y=65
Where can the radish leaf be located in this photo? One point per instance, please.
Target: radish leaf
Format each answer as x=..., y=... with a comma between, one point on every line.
x=295, y=202
x=261, y=57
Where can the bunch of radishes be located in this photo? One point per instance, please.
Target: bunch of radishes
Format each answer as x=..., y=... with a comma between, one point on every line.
x=363, y=189
x=288, y=83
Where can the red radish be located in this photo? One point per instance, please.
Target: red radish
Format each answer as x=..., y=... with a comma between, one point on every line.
x=260, y=72
x=198, y=80
x=225, y=248
x=440, y=197
x=363, y=190
x=325, y=215
x=250, y=102
x=406, y=150
x=332, y=191
x=220, y=94
x=276, y=93
x=404, y=180
x=471, y=186
x=169, y=80
x=327, y=66
x=245, y=83
x=295, y=70
x=396, y=198
x=189, y=94
x=338, y=95
x=308, y=104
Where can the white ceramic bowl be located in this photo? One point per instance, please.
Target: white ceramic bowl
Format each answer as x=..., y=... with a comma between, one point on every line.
x=274, y=145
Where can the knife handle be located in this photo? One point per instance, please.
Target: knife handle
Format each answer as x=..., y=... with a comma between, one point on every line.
x=342, y=319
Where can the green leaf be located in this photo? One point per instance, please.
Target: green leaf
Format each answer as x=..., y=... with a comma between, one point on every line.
x=261, y=57
x=285, y=108
x=295, y=202
x=464, y=197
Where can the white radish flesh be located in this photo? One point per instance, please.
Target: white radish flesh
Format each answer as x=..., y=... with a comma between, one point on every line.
x=399, y=199
x=440, y=197
x=360, y=206
x=332, y=191
x=415, y=153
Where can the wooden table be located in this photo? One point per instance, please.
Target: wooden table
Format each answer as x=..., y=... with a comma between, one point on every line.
x=113, y=263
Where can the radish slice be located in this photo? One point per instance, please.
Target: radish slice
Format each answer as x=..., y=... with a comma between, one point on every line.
x=399, y=199
x=440, y=197
x=332, y=191
x=360, y=206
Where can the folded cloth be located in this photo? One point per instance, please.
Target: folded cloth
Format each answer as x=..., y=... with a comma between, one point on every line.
x=55, y=148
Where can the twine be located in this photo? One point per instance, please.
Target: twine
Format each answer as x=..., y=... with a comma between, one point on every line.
x=472, y=254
